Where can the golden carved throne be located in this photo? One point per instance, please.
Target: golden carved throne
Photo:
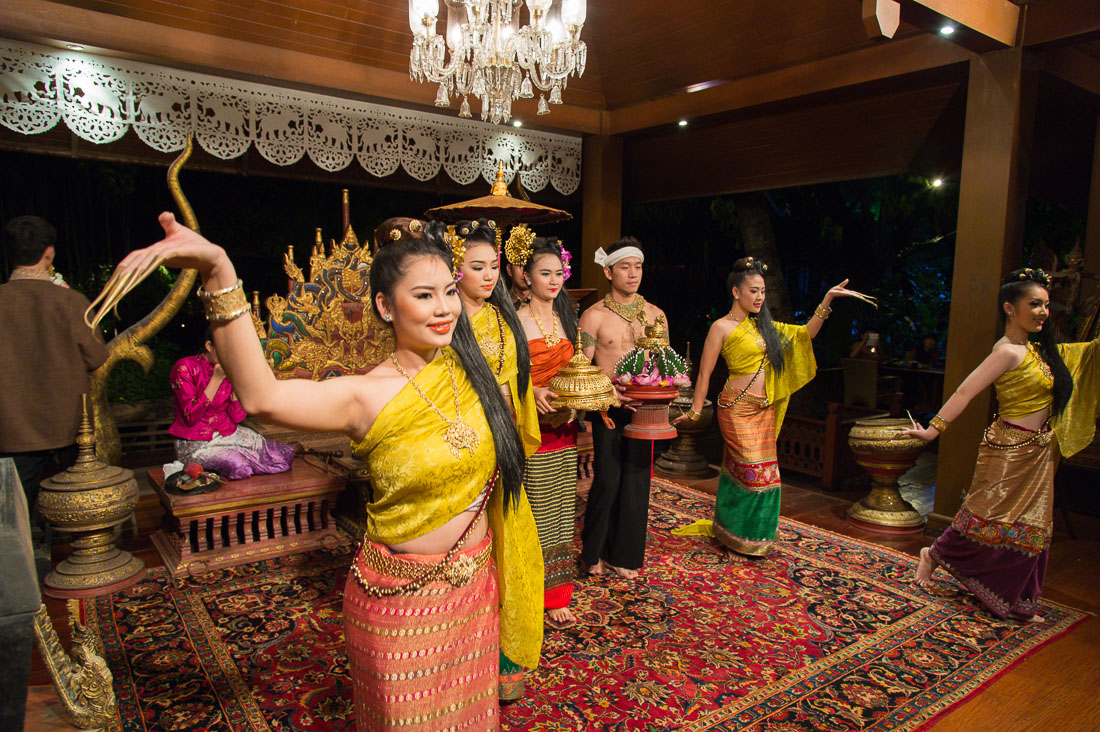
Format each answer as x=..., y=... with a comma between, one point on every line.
x=325, y=327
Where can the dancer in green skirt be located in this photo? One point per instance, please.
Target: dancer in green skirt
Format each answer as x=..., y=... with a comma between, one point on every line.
x=768, y=362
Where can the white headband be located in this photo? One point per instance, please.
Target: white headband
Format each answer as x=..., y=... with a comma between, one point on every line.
x=609, y=260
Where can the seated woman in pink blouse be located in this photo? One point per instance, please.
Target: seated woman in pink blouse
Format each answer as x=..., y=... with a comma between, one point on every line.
x=206, y=425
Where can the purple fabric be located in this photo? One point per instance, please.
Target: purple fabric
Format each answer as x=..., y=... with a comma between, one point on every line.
x=237, y=456
x=1006, y=581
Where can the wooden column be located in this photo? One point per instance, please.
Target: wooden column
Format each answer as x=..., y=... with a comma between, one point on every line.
x=1092, y=225
x=602, y=192
x=992, y=193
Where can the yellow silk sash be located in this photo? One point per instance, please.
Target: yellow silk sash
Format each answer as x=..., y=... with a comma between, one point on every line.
x=419, y=485
x=488, y=333
x=743, y=350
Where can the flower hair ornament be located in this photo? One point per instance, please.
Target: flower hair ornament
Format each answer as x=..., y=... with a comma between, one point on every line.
x=1037, y=275
x=518, y=248
x=458, y=249
x=566, y=270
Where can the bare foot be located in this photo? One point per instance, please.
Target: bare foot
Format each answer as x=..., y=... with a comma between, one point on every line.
x=926, y=567
x=595, y=570
x=562, y=616
x=624, y=572
x=1036, y=619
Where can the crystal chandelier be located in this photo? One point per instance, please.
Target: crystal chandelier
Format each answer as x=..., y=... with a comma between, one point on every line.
x=488, y=55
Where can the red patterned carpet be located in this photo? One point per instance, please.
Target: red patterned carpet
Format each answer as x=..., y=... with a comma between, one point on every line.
x=827, y=634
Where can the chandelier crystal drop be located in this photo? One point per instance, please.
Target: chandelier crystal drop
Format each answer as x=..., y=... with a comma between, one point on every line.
x=486, y=54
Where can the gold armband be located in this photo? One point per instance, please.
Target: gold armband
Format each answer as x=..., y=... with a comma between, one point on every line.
x=939, y=423
x=225, y=304
x=692, y=415
x=823, y=312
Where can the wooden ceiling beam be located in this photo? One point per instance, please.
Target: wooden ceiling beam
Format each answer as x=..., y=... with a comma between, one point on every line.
x=998, y=20
x=1069, y=64
x=112, y=35
x=889, y=59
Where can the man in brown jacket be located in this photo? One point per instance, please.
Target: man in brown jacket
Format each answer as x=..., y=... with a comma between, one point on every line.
x=46, y=352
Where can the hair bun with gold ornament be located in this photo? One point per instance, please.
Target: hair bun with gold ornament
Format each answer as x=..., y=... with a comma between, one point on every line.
x=518, y=248
x=395, y=229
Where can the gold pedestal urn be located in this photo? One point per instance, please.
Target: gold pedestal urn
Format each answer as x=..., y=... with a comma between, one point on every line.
x=683, y=459
x=883, y=451
x=88, y=500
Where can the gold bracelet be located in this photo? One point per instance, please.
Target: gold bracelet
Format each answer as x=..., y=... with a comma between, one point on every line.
x=225, y=305
x=692, y=415
x=939, y=423
x=207, y=296
x=823, y=312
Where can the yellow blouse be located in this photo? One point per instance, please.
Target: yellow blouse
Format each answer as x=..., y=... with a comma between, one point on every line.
x=498, y=343
x=419, y=485
x=744, y=350
x=1027, y=389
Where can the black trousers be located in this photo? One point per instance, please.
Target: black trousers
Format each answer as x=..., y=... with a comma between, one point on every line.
x=617, y=514
x=34, y=467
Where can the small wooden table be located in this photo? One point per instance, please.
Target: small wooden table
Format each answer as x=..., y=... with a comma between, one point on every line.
x=245, y=520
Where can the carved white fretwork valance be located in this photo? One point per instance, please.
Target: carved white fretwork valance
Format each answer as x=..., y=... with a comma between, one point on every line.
x=99, y=99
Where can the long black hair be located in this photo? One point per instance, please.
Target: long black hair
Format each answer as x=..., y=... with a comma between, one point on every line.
x=775, y=344
x=1018, y=286
x=563, y=304
x=391, y=262
x=483, y=231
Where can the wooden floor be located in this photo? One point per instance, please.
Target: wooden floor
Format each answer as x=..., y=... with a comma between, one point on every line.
x=1057, y=688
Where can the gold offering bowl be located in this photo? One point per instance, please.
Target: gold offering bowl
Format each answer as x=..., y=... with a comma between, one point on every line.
x=582, y=386
x=886, y=454
x=89, y=500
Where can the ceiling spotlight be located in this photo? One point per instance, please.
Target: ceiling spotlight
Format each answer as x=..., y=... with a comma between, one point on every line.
x=947, y=30
x=74, y=47
x=937, y=182
x=683, y=123
x=517, y=123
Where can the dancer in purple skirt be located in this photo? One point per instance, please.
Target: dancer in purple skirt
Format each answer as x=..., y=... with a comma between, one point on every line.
x=1048, y=395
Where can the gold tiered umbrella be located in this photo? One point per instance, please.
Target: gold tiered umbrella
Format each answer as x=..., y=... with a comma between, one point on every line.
x=499, y=206
x=584, y=387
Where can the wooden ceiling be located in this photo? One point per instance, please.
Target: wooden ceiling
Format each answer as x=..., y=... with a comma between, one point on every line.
x=639, y=49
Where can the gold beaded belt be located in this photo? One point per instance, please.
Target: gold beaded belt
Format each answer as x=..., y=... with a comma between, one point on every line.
x=1042, y=436
x=458, y=570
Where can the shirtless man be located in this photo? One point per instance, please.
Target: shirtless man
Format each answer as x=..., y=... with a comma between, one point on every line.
x=617, y=514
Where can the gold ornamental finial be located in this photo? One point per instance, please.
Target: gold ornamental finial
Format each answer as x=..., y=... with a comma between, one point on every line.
x=500, y=188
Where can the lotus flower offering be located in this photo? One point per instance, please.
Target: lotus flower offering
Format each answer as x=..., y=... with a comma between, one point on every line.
x=652, y=374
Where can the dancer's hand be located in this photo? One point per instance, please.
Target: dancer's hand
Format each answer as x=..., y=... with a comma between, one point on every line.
x=624, y=400
x=542, y=400
x=842, y=291
x=924, y=433
x=181, y=248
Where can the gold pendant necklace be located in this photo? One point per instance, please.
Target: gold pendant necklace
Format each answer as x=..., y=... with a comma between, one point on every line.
x=489, y=348
x=459, y=435
x=629, y=312
x=551, y=339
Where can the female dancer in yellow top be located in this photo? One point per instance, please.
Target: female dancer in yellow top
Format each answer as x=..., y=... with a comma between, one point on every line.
x=421, y=611
x=767, y=362
x=487, y=303
x=998, y=543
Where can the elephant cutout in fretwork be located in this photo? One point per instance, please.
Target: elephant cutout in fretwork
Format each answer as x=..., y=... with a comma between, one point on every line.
x=325, y=326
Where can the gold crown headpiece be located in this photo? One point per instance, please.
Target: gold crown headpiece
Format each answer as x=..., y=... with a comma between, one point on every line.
x=518, y=248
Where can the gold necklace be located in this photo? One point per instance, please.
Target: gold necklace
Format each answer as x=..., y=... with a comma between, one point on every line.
x=490, y=349
x=1017, y=341
x=629, y=312
x=459, y=435
x=552, y=339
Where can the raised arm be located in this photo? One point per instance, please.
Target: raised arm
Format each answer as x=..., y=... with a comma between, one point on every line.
x=325, y=406
x=1004, y=358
